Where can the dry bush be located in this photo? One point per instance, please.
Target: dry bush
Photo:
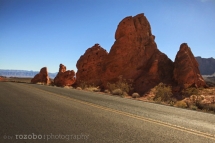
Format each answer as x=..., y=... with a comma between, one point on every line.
x=162, y=93
x=195, y=99
x=211, y=107
x=190, y=91
x=93, y=89
x=193, y=107
x=181, y=104
x=124, y=94
x=206, y=107
x=83, y=84
x=122, y=84
x=107, y=91
x=117, y=92
x=89, y=87
x=40, y=83
x=79, y=88
x=67, y=87
x=135, y=95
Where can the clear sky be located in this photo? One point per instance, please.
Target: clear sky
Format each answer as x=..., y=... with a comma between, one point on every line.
x=38, y=33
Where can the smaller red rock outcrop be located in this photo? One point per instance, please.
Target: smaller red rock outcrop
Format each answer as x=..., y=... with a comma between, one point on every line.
x=186, y=71
x=64, y=77
x=42, y=76
x=90, y=65
x=2, y=78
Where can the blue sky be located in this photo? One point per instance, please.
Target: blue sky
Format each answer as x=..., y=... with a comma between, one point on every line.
x=38, y=33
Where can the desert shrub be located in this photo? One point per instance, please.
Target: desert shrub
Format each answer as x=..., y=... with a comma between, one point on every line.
x=162, y=93
x=122, y=84
x=190, y=91
x=124, y=94
x=117, y=92
x=89, y=87
x=107, y=91
x=172, y=101
x=135, y=95
x=211, y=107
x=68, y=87
x=181, y=104
x=193, y=98
x=158, y=100
x=79, y=88
x=93, y=89
x=193, y=107
x=83, y=84
x=206, y=107
x=40, y=83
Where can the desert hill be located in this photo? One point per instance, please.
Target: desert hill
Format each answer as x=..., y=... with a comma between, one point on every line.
x=22, y=73
x=206, y=65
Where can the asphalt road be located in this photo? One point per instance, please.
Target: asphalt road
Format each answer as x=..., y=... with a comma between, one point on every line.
x=37, y=113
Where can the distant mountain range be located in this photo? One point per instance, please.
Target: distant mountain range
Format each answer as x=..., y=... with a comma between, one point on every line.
x=22, y=73
x=206, y=65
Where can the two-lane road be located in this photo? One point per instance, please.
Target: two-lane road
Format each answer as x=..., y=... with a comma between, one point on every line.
x=36, y=113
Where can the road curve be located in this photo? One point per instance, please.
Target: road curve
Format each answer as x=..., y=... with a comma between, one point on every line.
x=36, y=113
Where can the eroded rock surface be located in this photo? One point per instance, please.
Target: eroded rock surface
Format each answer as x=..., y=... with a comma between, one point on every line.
x=64, y=77
x=90, y=65
x=186, y=71
x=41, y=77
x=135, y=56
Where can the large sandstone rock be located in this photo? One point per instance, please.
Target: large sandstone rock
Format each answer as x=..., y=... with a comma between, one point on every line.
x=90, y=66
x=42, y=76
x=64, y=77
x=135, y=56
x=186, y=71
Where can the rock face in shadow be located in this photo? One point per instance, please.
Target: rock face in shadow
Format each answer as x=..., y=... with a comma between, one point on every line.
x=64, y=77
x=206, y=65
x=42, y=76
x=186, y=71
x=90, y=66
x=135, y=56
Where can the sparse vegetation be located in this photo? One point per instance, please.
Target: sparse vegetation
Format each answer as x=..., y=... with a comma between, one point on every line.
x=121, y=84
x=135, y=95
x=181, y=104
x=117, y=92
x=107, y=91
x=93, y=89
x=193, y=107
x=79, y=88
x=190, y=91
x=89, y=87
x=40, y=83
x=162, y=93
x=83, y=84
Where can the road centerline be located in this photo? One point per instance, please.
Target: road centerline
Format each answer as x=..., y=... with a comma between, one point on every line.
x=161, y=123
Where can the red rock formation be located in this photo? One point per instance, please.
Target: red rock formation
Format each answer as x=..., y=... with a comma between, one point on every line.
x=135, y=56
x=90, y=66
x=42, y=76
x=2, y=78
x=186, y=71
x=64, y=78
